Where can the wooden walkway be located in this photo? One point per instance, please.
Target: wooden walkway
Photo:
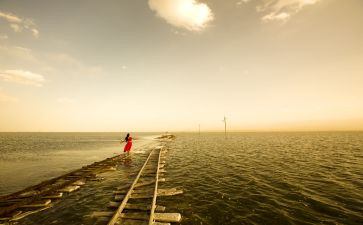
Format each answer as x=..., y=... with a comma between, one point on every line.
x=134, y=206
x=40, y=197
x=137, y=205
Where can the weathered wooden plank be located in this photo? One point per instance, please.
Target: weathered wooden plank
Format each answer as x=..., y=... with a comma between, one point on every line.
x=38, y=204
x=167, y=217
x=161, y=223
x=161, y=193
x=119, y=210
x=28, y=194
x=27, y=213
x=146, y=183
x=153, y=204
x=141, y=207
x=79, y=183
x=69, y=189
x=142, y=184
x=119, y=198
x=149, y=190
x=102, y=214
x=162, y=217
x=55, y=196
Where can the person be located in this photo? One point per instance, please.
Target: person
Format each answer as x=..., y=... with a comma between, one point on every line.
x=128, y=145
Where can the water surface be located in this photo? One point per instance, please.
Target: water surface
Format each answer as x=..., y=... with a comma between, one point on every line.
x=249, y=178
x=268, y=178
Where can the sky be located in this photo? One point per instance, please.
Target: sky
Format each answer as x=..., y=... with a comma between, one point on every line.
x=157, y=65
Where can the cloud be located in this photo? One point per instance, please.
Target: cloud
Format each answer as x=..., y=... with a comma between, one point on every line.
x=10, y=17
x=240, y=2
x=283, y=16
x=22, y=77
x=18, y=55
x=187, y=14
x=16, y=28
x=18, y=24
x=281, y=10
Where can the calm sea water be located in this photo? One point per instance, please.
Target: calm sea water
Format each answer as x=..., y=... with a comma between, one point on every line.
x=29, y=158
x=269, y=178
x=249, y=178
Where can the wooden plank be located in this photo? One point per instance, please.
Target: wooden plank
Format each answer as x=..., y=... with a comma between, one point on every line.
x=119, y=198
x=141, y=207
x=28, y=194
x=153, y=204
x=69, y=189
x=160, y=223
x=169, y=192
x=160, y=194
x=37, y=204
x=167, y=217
x=146, y=183
x=79, y=183
x=124, y=201
x=102, y=214
x=22, y=215
x=55, y=196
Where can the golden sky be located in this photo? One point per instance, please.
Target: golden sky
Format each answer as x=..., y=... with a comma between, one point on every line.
x=156, y=65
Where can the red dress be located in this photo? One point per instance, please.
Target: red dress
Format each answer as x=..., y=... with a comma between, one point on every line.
x=127, y=147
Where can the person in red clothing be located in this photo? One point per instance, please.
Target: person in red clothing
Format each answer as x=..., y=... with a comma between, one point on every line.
x=128, y=145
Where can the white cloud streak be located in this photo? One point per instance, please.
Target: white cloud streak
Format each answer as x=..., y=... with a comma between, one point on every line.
x=18, y=24
x=16, y=28
x=22, y=77
x=10, y=17
x=281, y=10
x=187, y=14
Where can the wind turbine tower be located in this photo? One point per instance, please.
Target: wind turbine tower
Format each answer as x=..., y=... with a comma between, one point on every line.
x=225, y=126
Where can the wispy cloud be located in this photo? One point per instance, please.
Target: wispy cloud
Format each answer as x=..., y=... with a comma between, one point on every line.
x=16, y=28
x=10, y=17
x=187, y=14
x=18, y=24
x=282, y=16
x=35, y=32
x=280, y=10
x=19, y=54
x=22, y=77
x=240, y=2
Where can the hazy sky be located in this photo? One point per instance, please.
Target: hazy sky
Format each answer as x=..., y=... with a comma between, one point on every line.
x=157, y=65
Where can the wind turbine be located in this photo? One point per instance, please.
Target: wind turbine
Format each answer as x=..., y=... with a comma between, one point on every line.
x=225, y=126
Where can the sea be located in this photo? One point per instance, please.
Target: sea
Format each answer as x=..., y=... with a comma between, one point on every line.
x=244, y=178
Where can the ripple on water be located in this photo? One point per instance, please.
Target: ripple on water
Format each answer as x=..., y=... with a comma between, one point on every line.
x=268, y=178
